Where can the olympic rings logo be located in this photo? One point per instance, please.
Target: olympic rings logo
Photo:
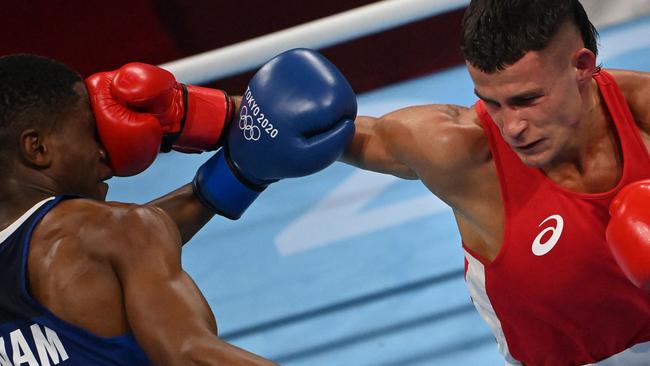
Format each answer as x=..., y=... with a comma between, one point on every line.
x=251, y=131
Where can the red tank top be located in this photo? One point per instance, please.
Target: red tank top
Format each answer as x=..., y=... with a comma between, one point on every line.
x=554, y=294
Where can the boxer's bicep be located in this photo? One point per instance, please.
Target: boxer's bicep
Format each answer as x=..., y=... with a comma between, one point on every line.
x=411, y=143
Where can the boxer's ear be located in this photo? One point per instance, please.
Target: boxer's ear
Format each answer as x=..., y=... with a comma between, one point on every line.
x=33, y=149
x=584, y=63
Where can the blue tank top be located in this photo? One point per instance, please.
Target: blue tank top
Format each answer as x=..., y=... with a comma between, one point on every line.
x=30, y=335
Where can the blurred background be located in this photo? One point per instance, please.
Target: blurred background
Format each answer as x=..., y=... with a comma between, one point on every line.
x=344, y=267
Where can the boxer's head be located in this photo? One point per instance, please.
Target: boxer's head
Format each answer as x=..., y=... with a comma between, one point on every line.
x=498, y=33
x=47, y=131
x=532, y=63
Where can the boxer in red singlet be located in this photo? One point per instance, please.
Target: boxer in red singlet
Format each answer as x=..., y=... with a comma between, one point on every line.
x=530, y=171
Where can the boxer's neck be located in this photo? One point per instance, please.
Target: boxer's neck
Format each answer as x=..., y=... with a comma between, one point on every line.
x=19, y=195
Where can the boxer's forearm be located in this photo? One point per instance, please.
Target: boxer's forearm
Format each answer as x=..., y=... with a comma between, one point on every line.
x=182, y=206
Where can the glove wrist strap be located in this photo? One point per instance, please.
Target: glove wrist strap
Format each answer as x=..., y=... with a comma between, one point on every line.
x=220, y=189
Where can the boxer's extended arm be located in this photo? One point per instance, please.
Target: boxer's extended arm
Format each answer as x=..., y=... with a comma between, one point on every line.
x=165, y=310
x=436, y=140
x=184, y=208
x=375, y=145
x=273, y=139
x=186, y=211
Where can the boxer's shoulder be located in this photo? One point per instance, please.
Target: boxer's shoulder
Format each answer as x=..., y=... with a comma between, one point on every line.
x=94, y=212
x=443, y=137
x=629, y=78
x=92, y=224
x=635, y=86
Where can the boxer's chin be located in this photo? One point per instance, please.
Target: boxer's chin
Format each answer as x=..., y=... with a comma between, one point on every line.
x=102, y=191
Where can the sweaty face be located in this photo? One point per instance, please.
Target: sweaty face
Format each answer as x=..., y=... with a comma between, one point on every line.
x=79, y=163
x=536, y=103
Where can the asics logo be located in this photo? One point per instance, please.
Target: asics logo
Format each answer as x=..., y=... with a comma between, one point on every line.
x=540, y=248
x=251, y=132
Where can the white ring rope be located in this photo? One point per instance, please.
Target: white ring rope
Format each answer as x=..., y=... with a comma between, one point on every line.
x=324, y=32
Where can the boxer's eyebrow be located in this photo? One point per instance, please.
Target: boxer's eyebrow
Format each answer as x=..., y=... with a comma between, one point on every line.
x=486, y=99
x=518, y=99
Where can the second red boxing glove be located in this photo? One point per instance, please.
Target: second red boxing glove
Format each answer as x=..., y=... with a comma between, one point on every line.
x=628, y=232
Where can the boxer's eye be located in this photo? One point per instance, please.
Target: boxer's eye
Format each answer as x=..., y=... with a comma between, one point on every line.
x=525, y=100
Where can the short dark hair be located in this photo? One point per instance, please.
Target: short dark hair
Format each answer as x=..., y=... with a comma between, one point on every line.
x=497, y=33
x=34, y=91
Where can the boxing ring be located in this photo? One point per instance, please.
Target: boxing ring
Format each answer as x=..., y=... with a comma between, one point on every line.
x=348, y=267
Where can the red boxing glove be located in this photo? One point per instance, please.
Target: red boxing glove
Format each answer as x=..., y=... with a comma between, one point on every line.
x=141, y=109
x=628, y=231
x=132, y=140
x=192, y=117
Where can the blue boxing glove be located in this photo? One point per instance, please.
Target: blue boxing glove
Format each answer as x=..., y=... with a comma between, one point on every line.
x=296, y=118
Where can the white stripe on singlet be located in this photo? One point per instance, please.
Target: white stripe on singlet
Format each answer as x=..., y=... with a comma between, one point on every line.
x=475, y=278
x=4, y=234
x=637, y=355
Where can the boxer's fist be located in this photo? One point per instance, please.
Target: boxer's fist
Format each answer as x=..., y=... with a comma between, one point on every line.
x=192, y=117
x=628, y=232
x=132, y=140
x=141, y=109
x=296, y=117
